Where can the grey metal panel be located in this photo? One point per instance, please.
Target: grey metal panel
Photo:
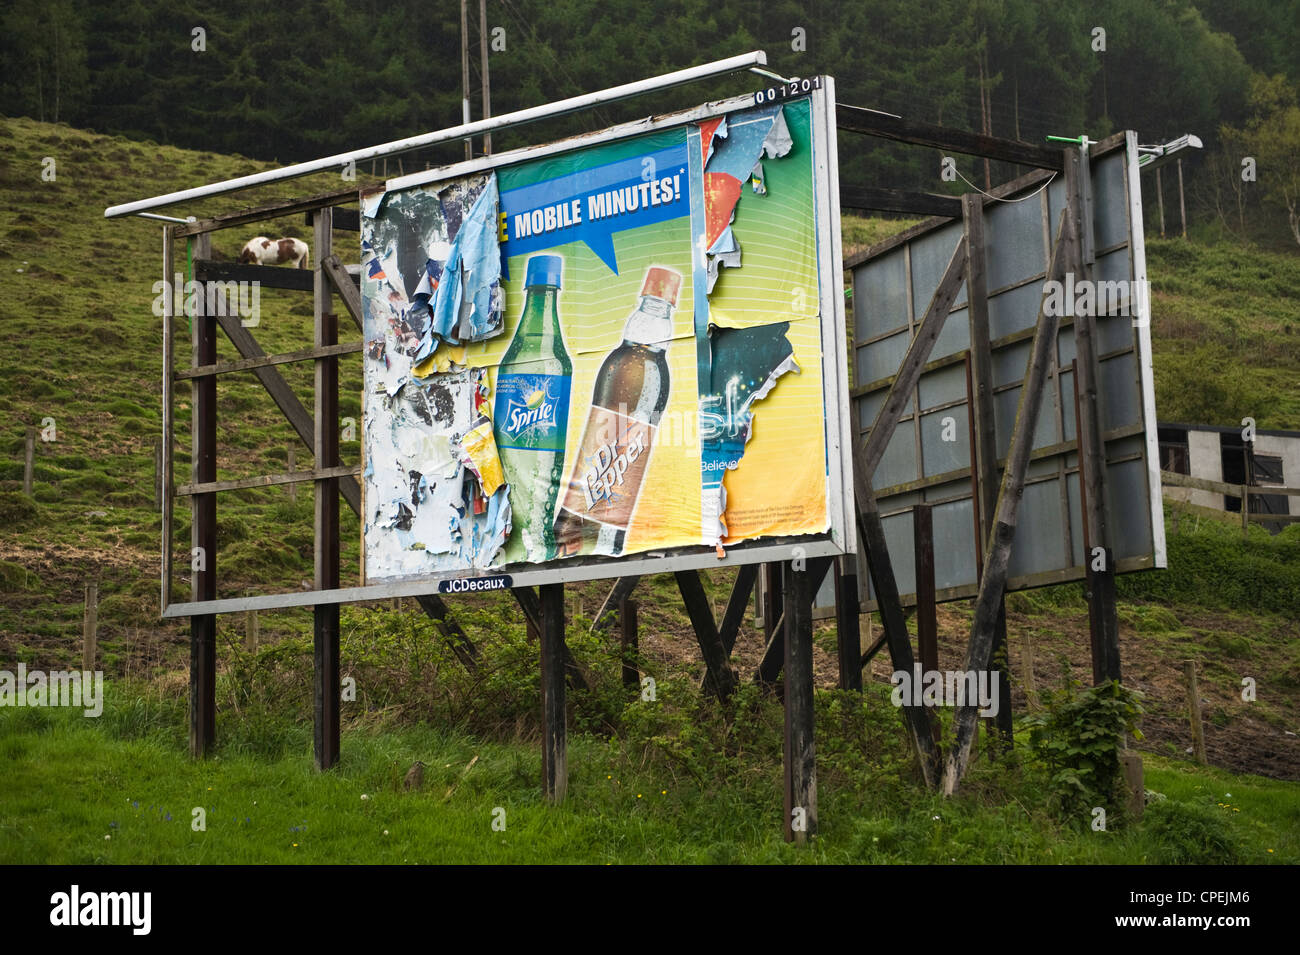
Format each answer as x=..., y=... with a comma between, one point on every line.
x=902, y=552
x=1010, y=363
x=898, y=463
x=1126, y=498
x=955, y=335
x=1075, y=505
x=1040, y=534
x=1121, y=400
x=1055, y=203
x=1014, y=310
x=1013, y=232
x=1069, y=423
x=1109, y=202
x=1065, y=349
x=940, y=456
x=954, y=544
x=1004, y=418
x=880, y=296
x=930, y=256
x=1042, y=467
x=869, y=406
x=881, y=359
x=943, y=385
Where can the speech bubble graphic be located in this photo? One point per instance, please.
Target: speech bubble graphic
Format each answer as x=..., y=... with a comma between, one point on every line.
x=590, y=205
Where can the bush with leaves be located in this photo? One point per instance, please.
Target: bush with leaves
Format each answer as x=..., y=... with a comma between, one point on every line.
x=1077, y=738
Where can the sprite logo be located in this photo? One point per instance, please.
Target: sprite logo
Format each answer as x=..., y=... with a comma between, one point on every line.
x=531, y=410
x=538, y=408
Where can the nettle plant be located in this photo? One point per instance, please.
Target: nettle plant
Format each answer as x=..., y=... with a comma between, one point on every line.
x=1077, y=737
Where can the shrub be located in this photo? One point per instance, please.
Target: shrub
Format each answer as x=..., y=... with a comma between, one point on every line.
x=1185, y=834
x=1077, y=739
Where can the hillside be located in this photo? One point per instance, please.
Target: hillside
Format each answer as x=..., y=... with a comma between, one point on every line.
x=1226, y=324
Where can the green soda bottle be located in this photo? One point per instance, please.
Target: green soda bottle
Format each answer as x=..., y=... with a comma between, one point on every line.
x=531, y=414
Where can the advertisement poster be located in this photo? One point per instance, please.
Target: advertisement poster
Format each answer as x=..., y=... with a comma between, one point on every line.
x=610, y=351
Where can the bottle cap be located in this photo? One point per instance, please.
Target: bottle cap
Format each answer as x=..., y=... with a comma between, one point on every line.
x=662, y=283
x=544, y=270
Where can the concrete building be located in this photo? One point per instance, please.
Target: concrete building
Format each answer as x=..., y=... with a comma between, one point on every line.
x=1221, y=454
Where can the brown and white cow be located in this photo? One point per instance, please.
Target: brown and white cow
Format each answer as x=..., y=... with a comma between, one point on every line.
x=260, y=250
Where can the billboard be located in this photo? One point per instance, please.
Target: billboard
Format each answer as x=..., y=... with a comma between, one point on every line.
x=609, y=355
x=929, y=457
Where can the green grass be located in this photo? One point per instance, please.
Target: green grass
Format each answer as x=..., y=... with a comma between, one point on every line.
x=72, y=781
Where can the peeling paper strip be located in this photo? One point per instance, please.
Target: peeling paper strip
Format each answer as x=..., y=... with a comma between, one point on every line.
x=467, y=302
x=746, y=364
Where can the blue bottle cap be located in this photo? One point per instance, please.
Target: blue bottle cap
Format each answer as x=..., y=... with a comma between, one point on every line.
x=544, y=270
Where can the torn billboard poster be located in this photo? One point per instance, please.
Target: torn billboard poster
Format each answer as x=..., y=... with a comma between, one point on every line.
x=611, y=350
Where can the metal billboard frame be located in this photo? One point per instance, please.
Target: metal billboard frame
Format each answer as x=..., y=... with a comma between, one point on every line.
x=837, y=541
x=1122, y=146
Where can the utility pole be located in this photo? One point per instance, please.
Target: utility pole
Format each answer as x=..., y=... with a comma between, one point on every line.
x=483, y=58
x=1182, y=204
x=464, y=73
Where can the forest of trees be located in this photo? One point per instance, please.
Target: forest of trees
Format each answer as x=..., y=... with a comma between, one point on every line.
x=291, y=82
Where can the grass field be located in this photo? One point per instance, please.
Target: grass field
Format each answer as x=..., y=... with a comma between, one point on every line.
x=122, y=790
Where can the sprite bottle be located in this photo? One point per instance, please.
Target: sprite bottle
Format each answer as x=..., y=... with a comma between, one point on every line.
x=531, y=414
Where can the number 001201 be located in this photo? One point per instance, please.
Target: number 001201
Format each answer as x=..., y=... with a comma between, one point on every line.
x=795, y=87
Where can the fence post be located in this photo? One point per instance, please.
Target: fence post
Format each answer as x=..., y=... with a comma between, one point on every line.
x=90, y=627
x=28, y=457
x=1194, y=711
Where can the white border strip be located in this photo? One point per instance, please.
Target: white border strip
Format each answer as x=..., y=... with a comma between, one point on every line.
x=1146, y=374
x=704, y=71
x=812, y=547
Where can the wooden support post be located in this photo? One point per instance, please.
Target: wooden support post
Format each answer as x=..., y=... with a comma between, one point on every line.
x=326, y=616
x=927, y=609
x=769, y=668
x=628, y=639
x=984, y=457
x=927, y=617
x=29, y=455
x=291, y=463
x=90, y=627
x=528, y=602
x=919, y=726
x=461, y=645
x=771, y=601
x=203, y=524
x=555, y=771
x=733, y=616
x=998, y=555
x=1103, y=616
x=619, y=591
x=1245, y=510
x=1134, y=784
x=848, y=623
x=800, y=752
x=706, y=632
x=1194, y=711
x=252, y=635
